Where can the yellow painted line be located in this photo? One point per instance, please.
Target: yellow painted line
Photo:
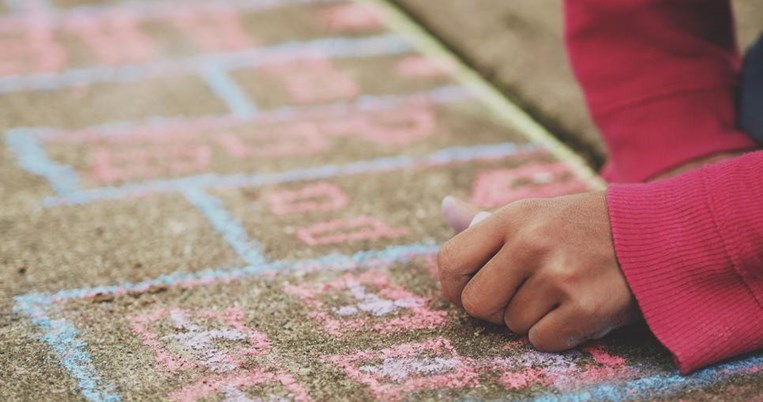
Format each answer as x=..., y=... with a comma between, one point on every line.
x=503, y=108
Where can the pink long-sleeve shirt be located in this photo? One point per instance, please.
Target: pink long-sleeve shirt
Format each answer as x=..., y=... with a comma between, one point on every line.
x=660, y=78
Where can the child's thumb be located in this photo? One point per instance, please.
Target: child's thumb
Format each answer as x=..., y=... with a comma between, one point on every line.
x=460, y=215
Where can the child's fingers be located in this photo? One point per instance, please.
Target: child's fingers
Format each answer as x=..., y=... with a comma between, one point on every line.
x=531, y=302
x=463, y=255
x=489, y=291
x=560, y=330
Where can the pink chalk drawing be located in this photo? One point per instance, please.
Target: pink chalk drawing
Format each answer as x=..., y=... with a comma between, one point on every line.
x=297, y=139
x=115, y=38
x=370, y=297
x=424, y=67
x=529, y=368
x=317, y=197
x=396, y=372
x=271, y=386
x=213, y=27
x=349, y=230
x=601, y=356
x=559, y=370
x=350, y=18
x=221, y=343
x=394, y=127
x=313, y=79
x=115, y=164
x=35, y=51
x=198, y=339
x=498, y=187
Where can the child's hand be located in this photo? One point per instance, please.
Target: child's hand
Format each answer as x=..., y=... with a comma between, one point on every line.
x=544, y=268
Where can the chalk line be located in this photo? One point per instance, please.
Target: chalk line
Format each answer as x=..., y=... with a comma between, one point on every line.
x=63, y=337
x=226, y=88
x=378, y=45
x=191, y=125
x=441, y=157
x=145, y=10
x=233, y=233
x=31, y=156
x=333, y=262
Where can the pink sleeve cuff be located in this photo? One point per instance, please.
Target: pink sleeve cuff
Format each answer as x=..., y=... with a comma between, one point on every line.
x=691, y=249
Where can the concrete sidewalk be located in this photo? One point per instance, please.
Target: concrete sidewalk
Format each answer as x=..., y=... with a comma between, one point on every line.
x=240, y=199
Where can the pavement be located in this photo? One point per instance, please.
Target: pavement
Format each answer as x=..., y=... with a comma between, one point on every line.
x=240, y=200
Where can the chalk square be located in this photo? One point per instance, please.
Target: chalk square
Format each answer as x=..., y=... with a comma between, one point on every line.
x=368, y=301
x=311, y=218
x=112, y=241
x=110, y=103
x=396, y=372
x=318, y=79
x=166, y=149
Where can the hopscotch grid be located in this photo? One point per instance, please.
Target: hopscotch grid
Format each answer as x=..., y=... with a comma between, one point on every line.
x=335, y=47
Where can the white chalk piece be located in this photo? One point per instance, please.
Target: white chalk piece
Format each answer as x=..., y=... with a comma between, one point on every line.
x=481, y=216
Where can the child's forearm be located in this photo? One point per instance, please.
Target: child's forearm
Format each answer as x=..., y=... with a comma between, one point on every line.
x=660, y=79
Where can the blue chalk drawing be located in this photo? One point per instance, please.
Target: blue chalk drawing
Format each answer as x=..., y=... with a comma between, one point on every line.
x=233, y=233
x=366, y=103
x=31, y=156
x=72, y=352
x=210, y=181
x=378, y=45
x=224, y=86
x=654, y=386
x=149, y=8
x=22, y=7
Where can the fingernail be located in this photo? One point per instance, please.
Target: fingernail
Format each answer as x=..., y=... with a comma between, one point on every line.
x=481, y=216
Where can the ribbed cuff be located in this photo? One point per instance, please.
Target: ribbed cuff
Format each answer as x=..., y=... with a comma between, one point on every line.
x=655, y=135
x=672, y=252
